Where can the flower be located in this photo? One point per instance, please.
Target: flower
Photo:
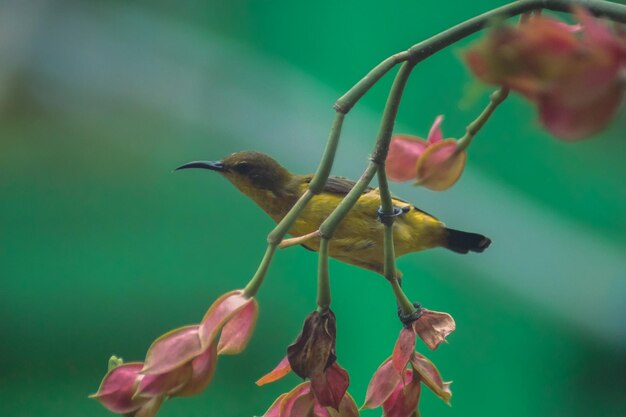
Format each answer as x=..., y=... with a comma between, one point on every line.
x=397, y=389
x=324, y=396
x=435, y=163
x=314, y=349
x=574, y=75
x=181, y=362
x=433, y=327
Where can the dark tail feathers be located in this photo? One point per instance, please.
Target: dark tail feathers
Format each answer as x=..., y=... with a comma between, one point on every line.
x=463, y=242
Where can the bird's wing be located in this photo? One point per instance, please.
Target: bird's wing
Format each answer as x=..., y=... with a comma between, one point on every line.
x=343, y=185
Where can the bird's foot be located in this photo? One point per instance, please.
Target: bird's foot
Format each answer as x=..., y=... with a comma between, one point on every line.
x=408, y=319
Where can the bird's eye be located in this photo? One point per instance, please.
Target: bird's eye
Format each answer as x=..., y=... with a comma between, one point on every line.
x=243, y=167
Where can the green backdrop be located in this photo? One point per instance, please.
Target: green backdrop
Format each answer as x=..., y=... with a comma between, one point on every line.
x=103, y=248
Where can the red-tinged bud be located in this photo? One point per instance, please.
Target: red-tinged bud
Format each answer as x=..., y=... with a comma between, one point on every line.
x=117, y=390
x=314, y=349
x=434, y=163
x=237, y=332
x=430, y=376
x=202, y=370
x=397, y=393
x=433, y=327
x=572, y=74
x=405, y=397
x=382, y=385
x=220, y=313
x=173, y=350
x=330, y=387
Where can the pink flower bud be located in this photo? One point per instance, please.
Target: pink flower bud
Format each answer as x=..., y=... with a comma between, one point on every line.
x=571, y=74
x=220, y=313
x=117, y=390
x=434, y=163
x=433, y=327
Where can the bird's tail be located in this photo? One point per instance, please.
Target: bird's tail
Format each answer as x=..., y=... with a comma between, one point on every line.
x=463, y=242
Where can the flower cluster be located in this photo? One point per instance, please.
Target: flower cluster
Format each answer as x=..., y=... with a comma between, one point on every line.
x=181, y=362
x=434, y=162
x=573, y=74
x=397, y=389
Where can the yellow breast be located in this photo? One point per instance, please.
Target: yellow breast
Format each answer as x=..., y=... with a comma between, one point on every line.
x=358, y=239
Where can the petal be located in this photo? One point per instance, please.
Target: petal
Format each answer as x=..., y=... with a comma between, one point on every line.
x=330, y=387
x=287, y=403
x=431, y=377
x=238, y=330
x=433, y=327
x=203, y=368
x=302, y=406
x=404, y=348
x=219, y=313
x=382, y=385
x=164, y=384
x=347, y=408
x=570, y=123
x=150, y=408
x=403, y=401
x=118, y=387
x=440, y=166
x=274, y=410
x=282, y=369
x=402, y=157
x=435, y=134
x=313, y=350
x=593, y=28
x=172, y=350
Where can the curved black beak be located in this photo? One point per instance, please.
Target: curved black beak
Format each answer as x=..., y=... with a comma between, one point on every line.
x=212, y=165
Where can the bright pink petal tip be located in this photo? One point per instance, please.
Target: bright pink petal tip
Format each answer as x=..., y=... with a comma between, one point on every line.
x=435, y=134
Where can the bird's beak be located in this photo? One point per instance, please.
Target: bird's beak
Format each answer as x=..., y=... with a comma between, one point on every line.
x=212, y=165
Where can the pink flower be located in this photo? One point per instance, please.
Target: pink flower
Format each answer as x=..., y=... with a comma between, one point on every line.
x=117, y=392
x=301, y=401
x=181, y=362
x=397, y=389
x=435, y=163
x=573, y=76
x=325, y=391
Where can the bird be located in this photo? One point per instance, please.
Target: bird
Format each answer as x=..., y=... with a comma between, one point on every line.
x=358, y=239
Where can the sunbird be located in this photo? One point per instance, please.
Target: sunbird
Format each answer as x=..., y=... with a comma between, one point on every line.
x=358, y=239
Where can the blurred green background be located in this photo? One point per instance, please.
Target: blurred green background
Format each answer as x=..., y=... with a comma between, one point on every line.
x=103, y=248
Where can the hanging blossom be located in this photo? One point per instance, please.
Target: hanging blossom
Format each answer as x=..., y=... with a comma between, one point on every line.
x=397, y=389
x=312, y=356
x=573, y=74
x=434, y=162
x=180, y=363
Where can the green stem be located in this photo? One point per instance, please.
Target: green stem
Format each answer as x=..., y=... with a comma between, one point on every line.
x=323, y=278
x=403, y=302
x=255, y=283
x=414, y=54
x=497, y=97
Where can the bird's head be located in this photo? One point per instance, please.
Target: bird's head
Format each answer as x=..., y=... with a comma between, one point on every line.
x=253, y=173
